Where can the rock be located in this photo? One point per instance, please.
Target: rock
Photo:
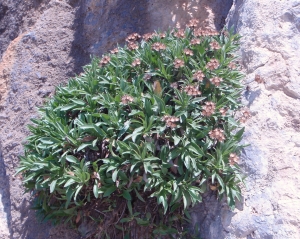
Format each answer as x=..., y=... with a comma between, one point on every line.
x=270, y=47
x=45, y=42
x=5, y=214
x=44, y=93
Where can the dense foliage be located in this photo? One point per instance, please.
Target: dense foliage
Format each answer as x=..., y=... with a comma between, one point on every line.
x=139, y=135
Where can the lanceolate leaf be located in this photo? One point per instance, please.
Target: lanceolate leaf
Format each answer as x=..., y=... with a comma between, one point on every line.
x=72, y=159
x=109, y=191
x=52, y=186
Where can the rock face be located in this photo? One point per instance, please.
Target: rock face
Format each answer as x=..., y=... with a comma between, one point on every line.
x=44, y=42
x=270, y=48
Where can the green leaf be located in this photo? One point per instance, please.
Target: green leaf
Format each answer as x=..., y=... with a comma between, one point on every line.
x=124, y=129
x=186, y=199
x=52, y=186
x=72, y=159
x=141, y=222
x=187, y=214
x=123, y=146
x=197, y=100
x=176, y=139
x=187, y=162
x=109, y=191
x=126, y=219
x=69, y=182
x=20, y=170
x=232, y=100
x=79, y=102
x=175, y=153
x=195, y=149
x=139, y=196
x=149, y=159
x=163, y=200
x=98, y=131
x=136, y=112
x=221, y=182
x=48, y=140
x=126, y=195
x=83, y=146
x=115, y=175
x=68, y=107
x=239, y=134
x=232, y=121
x=213, y=177
x=129, y=206
x=160, y=103
x=95, y=190
x=69, y=194
x=148, y=108
x=77, y=191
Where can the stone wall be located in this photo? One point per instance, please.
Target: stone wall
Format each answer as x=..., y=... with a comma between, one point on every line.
x=43, y=43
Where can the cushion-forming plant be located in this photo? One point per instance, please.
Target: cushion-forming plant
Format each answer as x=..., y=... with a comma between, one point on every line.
x=134, y=140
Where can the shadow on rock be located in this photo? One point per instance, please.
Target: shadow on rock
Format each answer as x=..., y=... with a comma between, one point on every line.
x=27, y=231
x=212, y=217
x=101, y=25
x=5, y=215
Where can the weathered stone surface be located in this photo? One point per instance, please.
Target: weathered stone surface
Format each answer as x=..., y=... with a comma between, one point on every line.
x=270, y=48
x=271, y=198
x=43, y=43
x=32, y=64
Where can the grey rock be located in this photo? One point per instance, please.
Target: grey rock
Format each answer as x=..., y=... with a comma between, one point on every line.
x=44, y=93
x=44, y=42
